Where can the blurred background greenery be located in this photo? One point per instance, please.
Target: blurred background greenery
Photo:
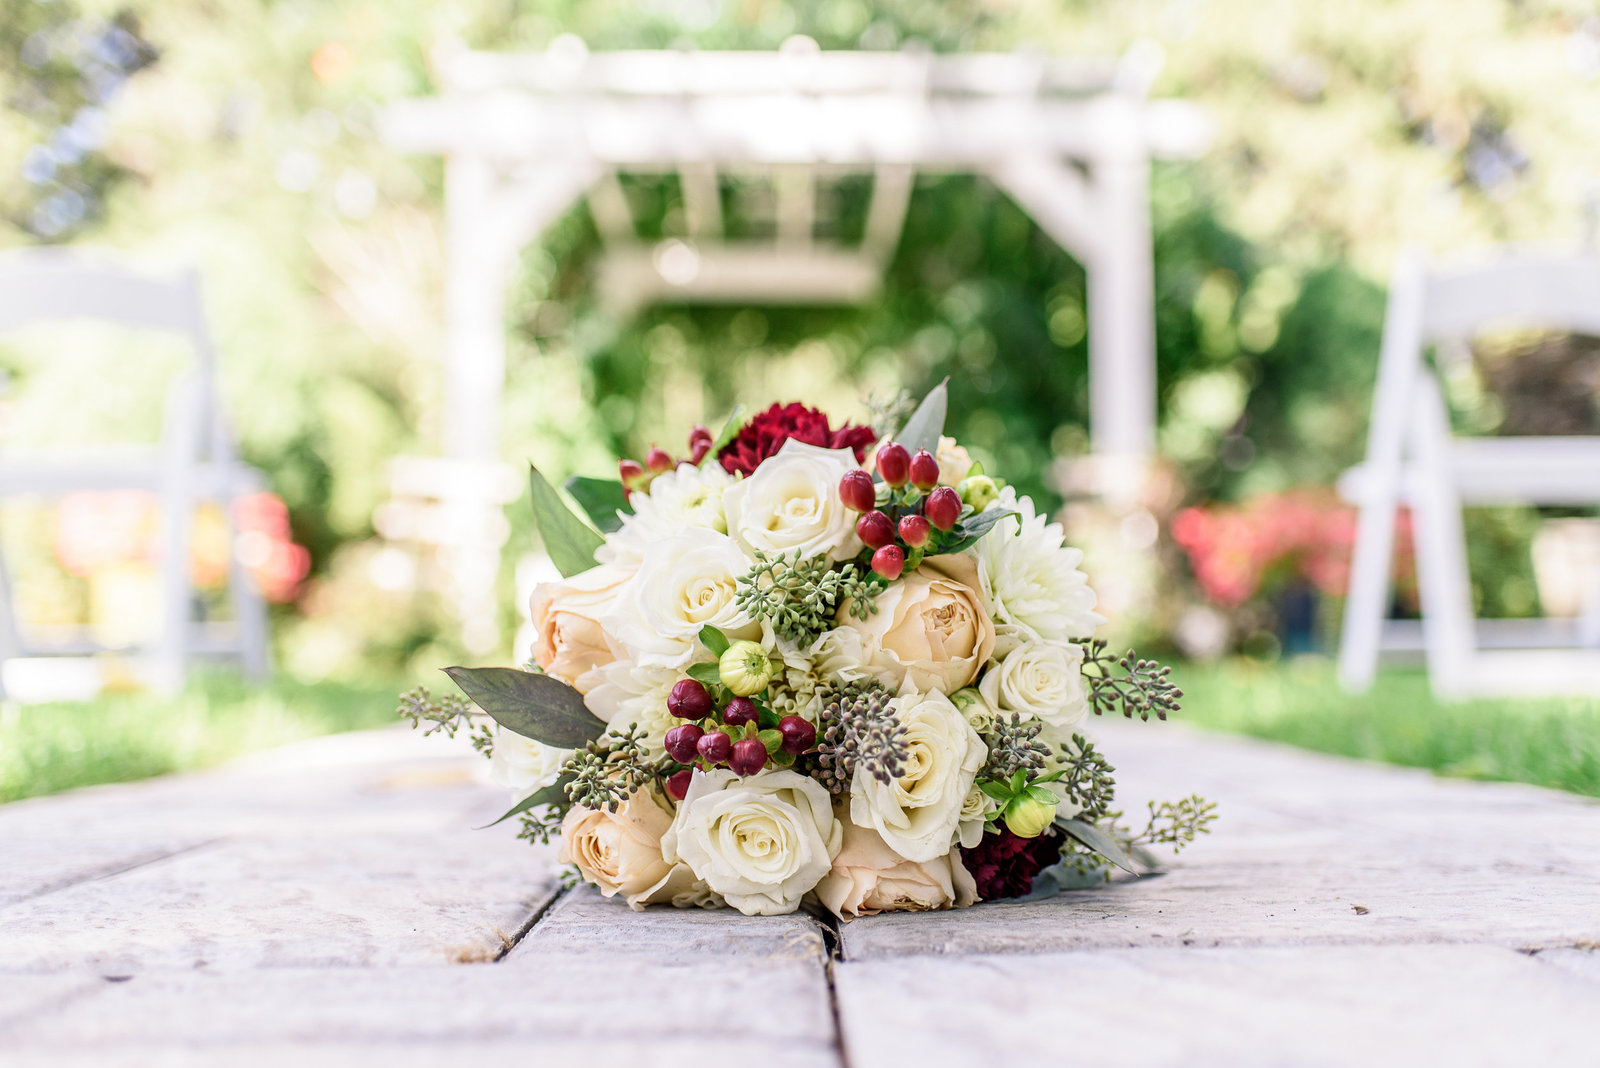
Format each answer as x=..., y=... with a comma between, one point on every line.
x=240, y=134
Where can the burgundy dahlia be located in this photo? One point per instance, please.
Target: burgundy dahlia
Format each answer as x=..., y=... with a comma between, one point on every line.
x=766, y=432
x=1003, y=865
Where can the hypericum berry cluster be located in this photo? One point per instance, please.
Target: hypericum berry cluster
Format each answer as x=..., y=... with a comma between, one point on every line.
x=899, y=519
x=727, y=728
x=658, y=461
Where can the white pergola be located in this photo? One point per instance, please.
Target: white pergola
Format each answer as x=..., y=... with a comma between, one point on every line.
x=526, y=135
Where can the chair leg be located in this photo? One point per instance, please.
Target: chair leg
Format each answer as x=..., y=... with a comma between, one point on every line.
x=178, y=496
x=249, y=609
x=1365, y=606
x=1448, y=624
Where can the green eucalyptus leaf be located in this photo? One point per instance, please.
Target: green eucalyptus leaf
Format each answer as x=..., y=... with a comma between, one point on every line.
x=554, y=794
x=1099, y=841
x=570, y=541
x=713, y=639
x=534, y=706
x=926, y=425
x=601, y=499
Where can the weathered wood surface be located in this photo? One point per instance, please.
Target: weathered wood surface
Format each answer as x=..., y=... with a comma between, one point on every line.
x=330, y=904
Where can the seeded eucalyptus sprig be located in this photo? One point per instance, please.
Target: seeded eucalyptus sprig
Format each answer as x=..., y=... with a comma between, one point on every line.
x=859, y=729
x=800, y=597
x=608, y=770
x=1013, y=746
x=1087, y=778
x=1142, y=688
x=449, y=713
x=1177, y=823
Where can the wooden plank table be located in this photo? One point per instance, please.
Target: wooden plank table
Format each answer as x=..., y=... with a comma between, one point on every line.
x=330, y=903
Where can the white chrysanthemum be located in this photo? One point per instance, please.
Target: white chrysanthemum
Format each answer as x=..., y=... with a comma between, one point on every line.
x=685, y=583
x=1032, y=579
x=684, y=497
x=632, y=695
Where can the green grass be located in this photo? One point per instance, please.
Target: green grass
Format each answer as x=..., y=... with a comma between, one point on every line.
x=1547, y=742
x=117, y=737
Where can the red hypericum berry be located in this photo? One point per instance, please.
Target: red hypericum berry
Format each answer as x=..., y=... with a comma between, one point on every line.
x=749, y=756
x=875, y=530
x=658, y=459
x=714, y=746
x=894, y=464
x=631, y=473
x=699, y=434
x=943, y=507
x=681, y=742
x=889, y=561
x=740, y=710
x=857, y=491
x=698, y=450
x=914, y=531
x=799, y=734
x=689, y=700
x=678, y=784
x=924, y=470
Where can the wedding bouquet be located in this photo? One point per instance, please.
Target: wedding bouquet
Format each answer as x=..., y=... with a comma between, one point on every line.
x=807, y=664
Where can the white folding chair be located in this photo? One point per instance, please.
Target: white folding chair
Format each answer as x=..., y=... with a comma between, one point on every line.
x=195, y=462
x=1414, y=460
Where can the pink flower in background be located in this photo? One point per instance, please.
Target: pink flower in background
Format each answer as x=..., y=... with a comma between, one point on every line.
x=1234, y=549
x=96, y=532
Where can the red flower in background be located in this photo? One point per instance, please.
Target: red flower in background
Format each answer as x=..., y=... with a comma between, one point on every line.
x=766, y=432
x=1004, y=865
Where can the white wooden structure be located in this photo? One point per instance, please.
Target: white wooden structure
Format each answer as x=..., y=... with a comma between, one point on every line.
x=1413, y=460
x=195, y=461
x=525, y=136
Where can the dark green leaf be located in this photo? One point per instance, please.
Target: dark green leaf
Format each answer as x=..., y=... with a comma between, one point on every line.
x=996, y=791
x=923, y=429
x=713, y=639
x=534, y=706
x=554, y=794
x=708, y=674
x=601, y=498
x=1099, y=841
x=968, y=531
x=569, y=540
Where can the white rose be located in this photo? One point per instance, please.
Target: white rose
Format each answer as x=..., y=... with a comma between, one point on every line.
x=975, y=810
x=917, y=814
x=791, y=503
x=1031, y=579
x=522, y=764
x=684, y=497
x=761, y=842
x=684, y=583
x=1039, y=679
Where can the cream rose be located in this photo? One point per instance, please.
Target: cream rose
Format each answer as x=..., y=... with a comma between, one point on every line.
x=620, y=852
x=761, y=842
x=975, y=810
x=918, y=813
x=569, y=641
x=791, y=503
x=868, y=877
x=930, y=630
x=1039, y=679
x=522, y=764
x=685, y=582
x=954, y=462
